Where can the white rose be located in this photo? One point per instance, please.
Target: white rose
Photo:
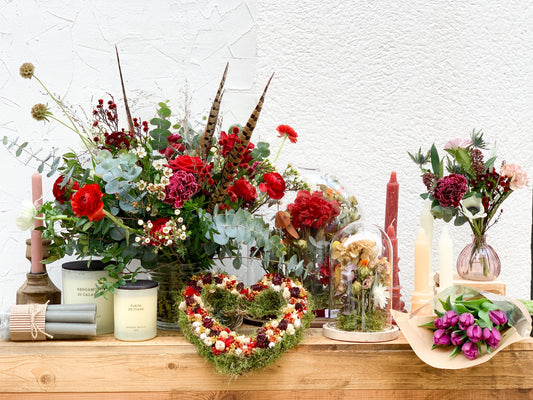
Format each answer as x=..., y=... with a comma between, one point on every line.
x=220, y=345
x=203, y=336
x=277, y=288
x=286, y=294
x=269, y=332
x=297, y=323
x=271, y=344
x=290, y=329
x=224, y=335
x=183, y=306
x=197, y=330
x=274, y=324
x=208, y=341
x=196, y=324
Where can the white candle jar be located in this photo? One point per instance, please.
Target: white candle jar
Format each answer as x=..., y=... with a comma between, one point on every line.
x=136, y=310
x=79, y=286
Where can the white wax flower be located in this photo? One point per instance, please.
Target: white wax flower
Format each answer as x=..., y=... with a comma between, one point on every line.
x=220, y=345
x=25, y=220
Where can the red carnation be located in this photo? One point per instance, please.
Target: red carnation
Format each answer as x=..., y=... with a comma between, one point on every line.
x=286, y=130
x=64, y=193
x=242, y=189
x=193, y=165
x=181, y=188
x=87, y=201
x=450, y=190
x=312, y=210
x=274, y=185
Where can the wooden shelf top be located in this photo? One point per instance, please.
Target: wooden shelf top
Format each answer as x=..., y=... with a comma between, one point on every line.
x=169, y=364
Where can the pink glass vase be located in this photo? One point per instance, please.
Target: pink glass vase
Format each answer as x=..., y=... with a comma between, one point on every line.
x=478, y=261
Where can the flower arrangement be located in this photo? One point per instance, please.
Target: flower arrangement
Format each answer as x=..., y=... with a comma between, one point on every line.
x=470, y=326
x=472, y=190
x=361, y=279
x=308, y=226
x=230, y=352
x=161, y=191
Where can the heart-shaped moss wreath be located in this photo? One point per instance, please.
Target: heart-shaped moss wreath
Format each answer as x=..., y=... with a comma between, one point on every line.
x=238, y=354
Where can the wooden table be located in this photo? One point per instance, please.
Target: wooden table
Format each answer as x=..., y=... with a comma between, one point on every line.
x=168, y=367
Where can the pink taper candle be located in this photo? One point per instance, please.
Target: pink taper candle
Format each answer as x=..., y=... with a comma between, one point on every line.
x=36, y=244
x=391, y=204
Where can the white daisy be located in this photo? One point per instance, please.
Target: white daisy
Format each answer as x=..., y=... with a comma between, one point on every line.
x=380, y=294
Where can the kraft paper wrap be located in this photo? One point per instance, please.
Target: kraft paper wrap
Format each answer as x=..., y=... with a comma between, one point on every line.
x=27, y=322
x=421, y=338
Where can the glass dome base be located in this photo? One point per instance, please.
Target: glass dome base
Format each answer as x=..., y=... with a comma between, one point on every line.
x=331, y=331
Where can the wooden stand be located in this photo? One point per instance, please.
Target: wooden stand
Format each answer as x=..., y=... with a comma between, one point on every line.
x=168, y=368
x=38, y=288
x=496, y=286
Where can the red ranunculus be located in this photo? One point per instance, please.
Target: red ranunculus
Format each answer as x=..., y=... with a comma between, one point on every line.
x=193, y=165
x=286, y=130
x=312, y=210
x=64, y=193
x=274, y=185
x=242, y=189
x=450, y=190
x=87, y=202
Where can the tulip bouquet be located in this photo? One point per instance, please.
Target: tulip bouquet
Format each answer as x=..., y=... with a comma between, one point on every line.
x=471, y=326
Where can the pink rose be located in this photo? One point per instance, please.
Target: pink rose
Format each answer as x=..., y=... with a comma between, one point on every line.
x=457, y=143
x=517, y=174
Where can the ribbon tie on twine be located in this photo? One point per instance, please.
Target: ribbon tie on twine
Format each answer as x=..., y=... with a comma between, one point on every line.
x=27, y=322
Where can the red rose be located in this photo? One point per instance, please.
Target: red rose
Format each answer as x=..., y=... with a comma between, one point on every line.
x=274, y=185
x=64, y=193
x=87, y=202
x=193, y=165
x=450, y=190
x=242, y=189
x=286, y=130
x=312, y=210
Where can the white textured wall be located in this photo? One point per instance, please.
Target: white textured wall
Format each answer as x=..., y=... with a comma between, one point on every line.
x=361, y=82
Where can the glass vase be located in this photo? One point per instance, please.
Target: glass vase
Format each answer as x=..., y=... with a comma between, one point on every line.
x=172, y=279
x=478, y=261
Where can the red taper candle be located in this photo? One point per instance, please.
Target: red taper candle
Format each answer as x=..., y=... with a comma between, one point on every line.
x=391, y=204
x=36, y=243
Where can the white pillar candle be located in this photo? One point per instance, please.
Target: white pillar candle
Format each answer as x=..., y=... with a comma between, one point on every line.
x=426, y=222
x=445, y=259
x=79, y=287
x=136, y=310
x=421, y=262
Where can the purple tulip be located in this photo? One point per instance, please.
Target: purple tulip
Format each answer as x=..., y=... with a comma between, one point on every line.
x=457, y=339
x=437, y=323
x=441, y=338
x=492, y=337
x=465, y=320
x=497, y=317
x=450, y=318
x=474, y=333
x=470, y=350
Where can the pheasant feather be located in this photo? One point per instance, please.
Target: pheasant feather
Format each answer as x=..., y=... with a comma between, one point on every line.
x=236, y=153
x=205, y=140
x=128, y=114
